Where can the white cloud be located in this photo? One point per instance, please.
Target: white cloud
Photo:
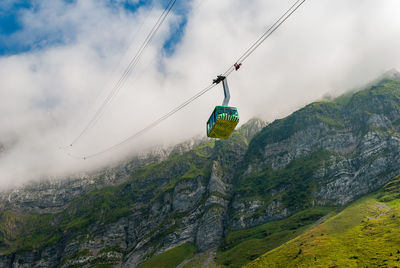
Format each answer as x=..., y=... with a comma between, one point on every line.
x=48, y=95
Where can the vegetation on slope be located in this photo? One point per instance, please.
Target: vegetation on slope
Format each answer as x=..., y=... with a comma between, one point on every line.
x=170, y=258
x=391, y=191
x=243, y=246
x=365, y=234
x=297, y=177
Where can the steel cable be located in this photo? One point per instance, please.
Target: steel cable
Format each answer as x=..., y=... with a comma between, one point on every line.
x=132, y=64
x=232, y=68
x=150, y=126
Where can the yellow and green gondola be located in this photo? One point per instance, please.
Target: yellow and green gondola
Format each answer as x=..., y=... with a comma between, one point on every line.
x=222, y=122
x=223, y=119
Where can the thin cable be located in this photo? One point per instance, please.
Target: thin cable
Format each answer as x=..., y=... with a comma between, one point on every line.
x=271, y=30
x=241, y=59
x=266, y=34
x=127, y=71
x=98, y=113
x=132, y=38
x=132, y=64
x=150, y=126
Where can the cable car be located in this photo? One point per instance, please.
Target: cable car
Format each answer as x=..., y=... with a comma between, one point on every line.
x=224, y=118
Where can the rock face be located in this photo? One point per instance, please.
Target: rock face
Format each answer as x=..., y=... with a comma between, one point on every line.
x=211, y=226
x=352, y=145
x=53, y=195
x=141, y=209
x=327, y=153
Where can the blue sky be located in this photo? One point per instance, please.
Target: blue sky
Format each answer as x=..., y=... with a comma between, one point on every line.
x=10, y=15
x=12, y=12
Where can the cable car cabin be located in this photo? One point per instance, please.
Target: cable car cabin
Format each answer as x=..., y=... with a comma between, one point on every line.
x=222, y=122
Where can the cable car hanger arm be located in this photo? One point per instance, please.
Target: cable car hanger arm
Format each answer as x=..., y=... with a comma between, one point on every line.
x=227, y=95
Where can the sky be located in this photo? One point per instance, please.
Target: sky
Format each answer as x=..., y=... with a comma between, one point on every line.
x=59, y=60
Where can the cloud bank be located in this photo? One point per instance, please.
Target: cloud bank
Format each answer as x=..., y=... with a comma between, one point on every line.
x=79, y=49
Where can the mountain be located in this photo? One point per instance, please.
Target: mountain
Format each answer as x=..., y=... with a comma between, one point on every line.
x=216, y=202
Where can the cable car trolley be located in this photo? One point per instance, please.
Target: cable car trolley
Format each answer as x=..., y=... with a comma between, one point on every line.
x=224, y=118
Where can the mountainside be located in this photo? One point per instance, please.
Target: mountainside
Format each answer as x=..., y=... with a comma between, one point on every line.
x=327, y=153
x=54, y=194
x=216, y=202
x=161, y=205
x=367, y=233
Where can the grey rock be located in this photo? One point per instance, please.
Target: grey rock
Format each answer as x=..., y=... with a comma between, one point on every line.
x=211, y=228
x=187, y=194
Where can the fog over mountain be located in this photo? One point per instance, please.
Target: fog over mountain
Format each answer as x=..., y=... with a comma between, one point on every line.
x=79, y=49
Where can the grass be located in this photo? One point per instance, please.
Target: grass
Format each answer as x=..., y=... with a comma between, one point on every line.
x=170, y=258
x=243, y=246
x=192, y=172
x=365, y=234
x=391, y=191
x=26, y=232
x=201, y=259
x=204, y=150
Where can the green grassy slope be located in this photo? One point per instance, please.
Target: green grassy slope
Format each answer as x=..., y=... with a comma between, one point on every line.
x=365, y=234
x=170, y=258
x=243, y=246
x=298, y=175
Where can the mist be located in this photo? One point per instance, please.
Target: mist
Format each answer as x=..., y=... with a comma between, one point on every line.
x=49, y=93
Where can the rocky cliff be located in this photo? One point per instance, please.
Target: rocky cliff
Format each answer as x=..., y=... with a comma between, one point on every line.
x=52, y=195
x=145, y=209
x=194, y=196
x=328, y=153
